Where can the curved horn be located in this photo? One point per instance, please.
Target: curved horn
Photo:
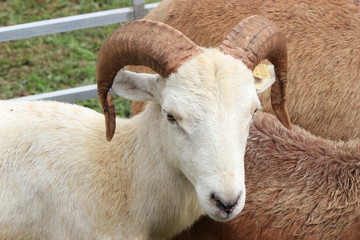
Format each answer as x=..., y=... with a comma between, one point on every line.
x=142, y=42
x=254, y=39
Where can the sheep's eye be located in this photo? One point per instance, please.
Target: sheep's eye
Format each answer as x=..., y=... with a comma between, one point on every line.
x=171, y=118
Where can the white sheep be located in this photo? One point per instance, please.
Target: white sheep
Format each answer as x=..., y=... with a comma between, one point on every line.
x=183, y=156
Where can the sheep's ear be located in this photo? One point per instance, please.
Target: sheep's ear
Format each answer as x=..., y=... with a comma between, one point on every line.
x=264, y=77
x=137, y=86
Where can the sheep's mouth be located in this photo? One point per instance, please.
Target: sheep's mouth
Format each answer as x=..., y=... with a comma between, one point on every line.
x=223, y=214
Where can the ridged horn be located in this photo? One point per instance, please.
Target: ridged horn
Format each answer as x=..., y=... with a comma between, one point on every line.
x=254, y=39
x=143, y=42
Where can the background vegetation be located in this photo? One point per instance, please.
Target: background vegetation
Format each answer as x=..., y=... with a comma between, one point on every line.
x=57, y=61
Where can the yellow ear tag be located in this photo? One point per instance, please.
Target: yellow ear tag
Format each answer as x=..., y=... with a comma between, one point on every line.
x=261, y=71
x=262, y=76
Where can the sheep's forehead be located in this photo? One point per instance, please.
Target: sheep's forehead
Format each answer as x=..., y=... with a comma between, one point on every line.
x=212, y=80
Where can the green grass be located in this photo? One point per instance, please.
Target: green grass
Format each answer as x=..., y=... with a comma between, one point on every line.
x=57, y=61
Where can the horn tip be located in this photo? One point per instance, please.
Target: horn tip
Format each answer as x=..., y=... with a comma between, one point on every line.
x=285, y=121
x=288, y=125
x=110, y=127
x=109, y=136
x=282, y=114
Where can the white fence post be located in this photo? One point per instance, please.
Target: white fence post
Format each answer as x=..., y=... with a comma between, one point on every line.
x=139, y=10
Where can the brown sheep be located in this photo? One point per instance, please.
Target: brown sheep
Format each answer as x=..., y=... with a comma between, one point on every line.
x=299, y=186
x=323, y=45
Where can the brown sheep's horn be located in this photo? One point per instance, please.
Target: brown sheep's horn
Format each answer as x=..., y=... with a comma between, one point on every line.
x=143, y=42
x=254, y=39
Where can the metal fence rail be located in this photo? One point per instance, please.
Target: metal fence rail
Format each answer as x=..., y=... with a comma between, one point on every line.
x=66, y=24
x=68, y=95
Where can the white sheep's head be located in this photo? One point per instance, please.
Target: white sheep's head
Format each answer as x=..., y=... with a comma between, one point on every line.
x=207, y=98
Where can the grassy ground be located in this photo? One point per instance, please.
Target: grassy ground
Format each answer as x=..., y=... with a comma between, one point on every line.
x=53, y=62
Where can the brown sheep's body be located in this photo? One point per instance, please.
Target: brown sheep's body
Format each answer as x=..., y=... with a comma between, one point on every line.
x=298, y=187
x=323, y=48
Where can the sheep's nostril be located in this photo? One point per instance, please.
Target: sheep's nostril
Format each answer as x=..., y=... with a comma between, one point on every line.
x=226, y=206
